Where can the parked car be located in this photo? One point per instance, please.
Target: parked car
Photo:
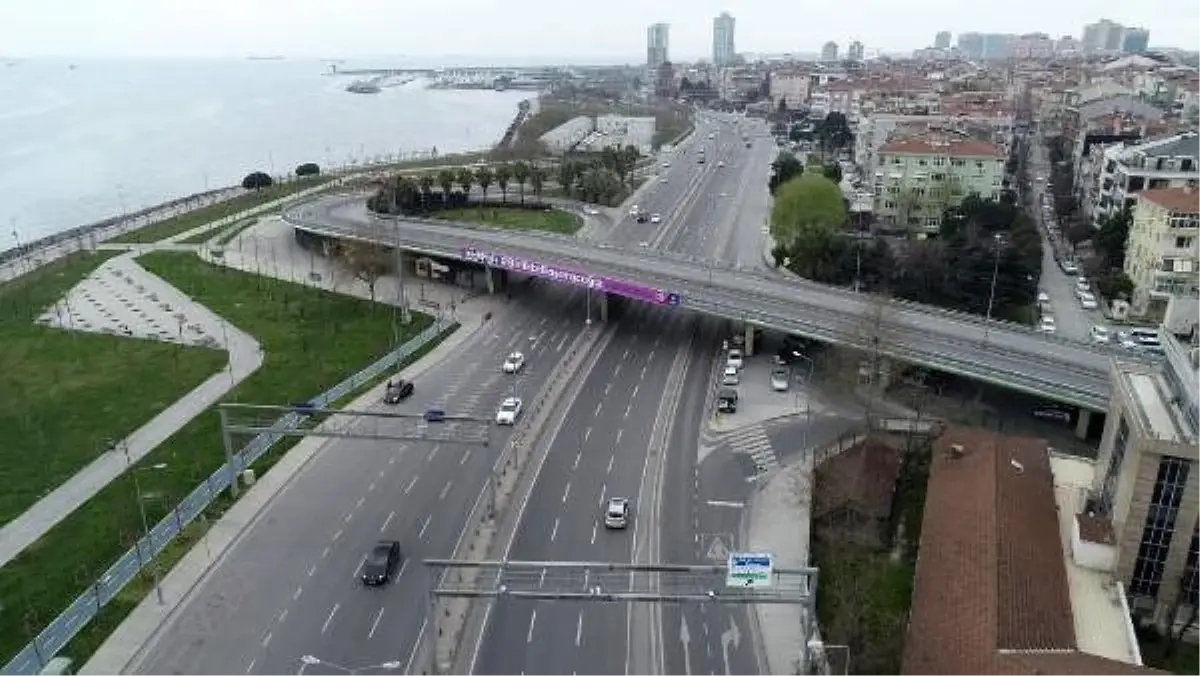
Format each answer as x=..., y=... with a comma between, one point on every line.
x=780, y=379
x=734, y=359
x=1043, y=297
x=1101, y=334
x=727, y=400
x=655, y=218
x=1047, y=325
x=730, y=377
x=435, y=414
x=397, y=391
x=1069, y=266
x=1088, y=301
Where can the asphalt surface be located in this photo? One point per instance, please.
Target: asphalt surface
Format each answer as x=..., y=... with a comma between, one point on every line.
x=289, y=586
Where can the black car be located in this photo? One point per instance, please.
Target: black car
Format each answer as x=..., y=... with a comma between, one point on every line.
x=381, y=563
x=642, y=218
x=397, y=391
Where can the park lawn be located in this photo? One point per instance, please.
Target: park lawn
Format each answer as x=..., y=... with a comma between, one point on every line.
x=214, y=212
x=313, y=339
x=66, y=392
x=223, y=235
x=513, y=218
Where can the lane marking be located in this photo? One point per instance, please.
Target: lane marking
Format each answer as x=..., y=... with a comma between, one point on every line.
x=532, y=623
x=566, y=492
x=347, y=518
x=403, y=567
x=726, y=503
x=607, y=387
x=337, y=535
x=466, y=455
x=325, y=552
x=329, y=619
x=625, y=355
x=361, y=500
x=266, y=641
x=643, y=376
x=619, y=433
x=359, y=567
x=595, y=526
x=424, y=526
x=381, y=472
x=411, y=484
x=587, y=434
x=296, y=594
x=575, y=465
x=649, y=358
x=598, y=407
x=445, y=490
x=391, y=515
x=554, y=530
x=282, y=616
x=610, y=464
x=542, y=578
x=628, y=406
x=392, y=460
x=375, y=624
x=312, y=570
x=635, y=390
x=603, y=492
x=250, y=667
x=432, y=453
x=371, y=487
x=579, y=630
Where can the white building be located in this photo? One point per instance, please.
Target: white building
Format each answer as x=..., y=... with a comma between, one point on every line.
x=1162, y=256
x=567, y=135
x=723, y=47
x=791, y=86
x=620, y=131
x=657, y=44
x=1172, y=162
x=829, y=52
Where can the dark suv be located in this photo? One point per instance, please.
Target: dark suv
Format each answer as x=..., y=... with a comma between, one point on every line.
x=397, y=391
x=381, y=563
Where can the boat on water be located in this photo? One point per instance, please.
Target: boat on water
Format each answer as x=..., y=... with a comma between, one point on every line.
x=363, y=88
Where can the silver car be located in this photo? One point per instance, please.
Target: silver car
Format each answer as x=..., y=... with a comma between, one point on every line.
x=780, y=380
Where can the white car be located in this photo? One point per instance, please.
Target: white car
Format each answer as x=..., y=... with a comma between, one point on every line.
x=1082, y=284
x=1043, y=297
x=1101, y=334
x=730, y=377
x=514, y=363
x=634, y=210
x=734, y=359
x=655, y=218
x=616, y=514
x=666, y=165
x=1087, y=301
x=720, y=164
x=510, y=410
x=779, y=380
x=1047, y=325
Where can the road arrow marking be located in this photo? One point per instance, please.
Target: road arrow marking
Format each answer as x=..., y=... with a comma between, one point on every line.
x=685, y=638
x=731, y=636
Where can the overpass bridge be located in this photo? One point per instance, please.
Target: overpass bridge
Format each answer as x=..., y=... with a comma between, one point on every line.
x=1001, y=353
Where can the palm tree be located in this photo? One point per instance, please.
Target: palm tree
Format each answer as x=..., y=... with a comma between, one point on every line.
x=484, y=177
x=520, y=171
x=503, y=175
x=446, y=179
x=466, y=179
x=537, y=180
x=568, y=171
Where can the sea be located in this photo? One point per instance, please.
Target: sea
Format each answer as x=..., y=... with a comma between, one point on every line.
x=88, y=140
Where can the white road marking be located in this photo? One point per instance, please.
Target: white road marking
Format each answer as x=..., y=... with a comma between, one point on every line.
x=361, y=500
x=392, y=460
x=337, y=535
x=649, y=357
x=726, y=503
x=445, y=490
x=359, y=567
x=329, y=619
x=371, y=487
x=635, y=390
x=603, y=492
x=375, y=624
x=250, y=667
x=296, y=594
x=610, y=463
x=625, y=355
x=578, y=455
x=424, y=525
x=403, y=566
x=266, y=640
x=587, y=434
x=619, y=433
x=532, y=622
x=432, y=453
x=598, y=407
x=391, y=515
x=282, y=616
x=466, y=455
x=347, y=518
x=312, y=570
x=411, y=484
x=579, y=630
x=595, y=526
x=381, y=473
x=607, y=388
x=542, y=578
x=325, y=552
x=566, y=492
x=554, y=530
x=562, y=343
x=643, y=376
x=628, y=406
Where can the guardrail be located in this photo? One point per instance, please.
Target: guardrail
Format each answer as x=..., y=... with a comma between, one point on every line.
x=87, y=605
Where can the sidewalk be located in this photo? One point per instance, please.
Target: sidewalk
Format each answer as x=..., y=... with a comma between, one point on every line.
x=122, y=298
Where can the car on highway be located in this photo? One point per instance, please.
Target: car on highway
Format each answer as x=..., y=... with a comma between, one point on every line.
x=1051, y=413
x=655, y=218
x=1069, y=266
x=734, y=359
x=1043, y=297
x=616, y=513
x=663, y=180
x=1087, y=301
x=642, y=218
x=514, y=363
x=381, y=563
x=730, y=376
x=510, y=410
x=666, y=165
x=780, y=380
x=397, y=391
x=435, y=414
x=720, y=164
x=1047, y=325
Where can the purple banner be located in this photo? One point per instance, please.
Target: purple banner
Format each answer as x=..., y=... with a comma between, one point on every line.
x=594, y=282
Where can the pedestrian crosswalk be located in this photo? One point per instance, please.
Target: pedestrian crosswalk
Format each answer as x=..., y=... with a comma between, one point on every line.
x=754, y=442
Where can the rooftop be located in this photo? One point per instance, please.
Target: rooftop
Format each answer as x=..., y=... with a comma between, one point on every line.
x=951, y=148
x=1175, y=200
x=992, y=592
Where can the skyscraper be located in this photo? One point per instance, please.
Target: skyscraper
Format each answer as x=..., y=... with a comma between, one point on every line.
x=1104, y=35
x=657, y=42
x=971, y=44
x=855, y=51
x=723, y=48
x=830, y=51
x=942, y=40
x=1135, y=40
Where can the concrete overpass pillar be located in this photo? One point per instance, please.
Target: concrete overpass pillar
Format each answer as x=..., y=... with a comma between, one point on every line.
x=749, y=348
x=602, y=302
x=1082, y=425
x=490, y=273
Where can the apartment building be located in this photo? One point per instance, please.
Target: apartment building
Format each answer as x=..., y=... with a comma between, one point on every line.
x=1146, y=486
x=792, y=86
x=1163, y=254
x=917, y=179
x=876, y=129
x=1033, y=46
x=1172, y=162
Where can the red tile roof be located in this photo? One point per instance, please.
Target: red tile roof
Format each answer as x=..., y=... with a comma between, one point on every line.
x=1175, y=200
x=950, y=148
x=863, y=477
x=990, y=594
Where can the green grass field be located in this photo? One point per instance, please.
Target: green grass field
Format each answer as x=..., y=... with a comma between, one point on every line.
x=511, y=218
x=223, y=235
x=194, y=219
x=312, y=339
x=66, y=392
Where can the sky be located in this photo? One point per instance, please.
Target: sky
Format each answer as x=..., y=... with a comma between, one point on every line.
x=597, y=32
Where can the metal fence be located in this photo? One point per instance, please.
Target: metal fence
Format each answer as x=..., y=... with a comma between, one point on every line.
x=71, y=621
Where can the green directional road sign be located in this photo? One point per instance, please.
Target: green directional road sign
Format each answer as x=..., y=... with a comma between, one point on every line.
x=749, y=570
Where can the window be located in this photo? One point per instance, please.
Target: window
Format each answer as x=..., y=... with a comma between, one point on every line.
x=957, y=163
x=932, y=221
x=939, y=177
x=923, y=162
x=1183, y=242
x=1186, y=164
x=893, y=190
x=889, y=205
x=896, y=160
x=1135, y=184
x=939, y=161
x=1160, y=526
x=1109, y=488
x=979, y=165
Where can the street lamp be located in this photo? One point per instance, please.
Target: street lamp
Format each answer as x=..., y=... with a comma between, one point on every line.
x=998, y=239
x=818, y=647
x=311, y=661
x=141, y=503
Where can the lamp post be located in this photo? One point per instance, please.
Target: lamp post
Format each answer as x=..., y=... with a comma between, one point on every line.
x=818, y=647
x=998, y=240
x=311, y=661
x=141, y=503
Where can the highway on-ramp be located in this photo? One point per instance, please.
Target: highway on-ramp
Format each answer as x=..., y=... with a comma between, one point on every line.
x=289, y=585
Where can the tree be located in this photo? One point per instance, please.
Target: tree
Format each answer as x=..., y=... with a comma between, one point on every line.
x=834, y=131
x=808, y=213
x=833, y=172
x=1113, y=236
x=537, y=181
x=503, y=175
x=446, y=179
x=367, y=261
x=308, y=169
x=630, y=157
x=568, y=173
x=257, y=180
x=783, y=169
x=1115, y=285
x=484, y=177
x=520, y=171
x=465, y=179
x=426, y=182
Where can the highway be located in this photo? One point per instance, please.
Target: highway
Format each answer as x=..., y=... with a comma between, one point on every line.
x=1004, y=354
x=288, y=586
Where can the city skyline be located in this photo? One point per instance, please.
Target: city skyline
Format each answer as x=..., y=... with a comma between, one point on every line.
x=308, y=28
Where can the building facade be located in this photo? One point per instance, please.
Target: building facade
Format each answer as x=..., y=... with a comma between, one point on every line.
x=723, y=45
x=657, y=45
x=971, y=45
x=1146, y=482
x=1135, y=40
x=1171, y=162
x=918, y=179
x=829, y=51
x=856, y=51
x=942, y=40
x=1163, y=251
